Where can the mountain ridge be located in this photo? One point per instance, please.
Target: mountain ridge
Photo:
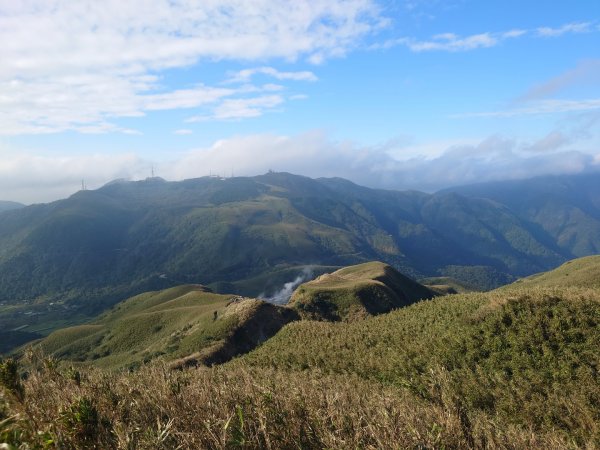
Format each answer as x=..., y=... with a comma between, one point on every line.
x=189, y=325
x=251, y=235
x=9, y=206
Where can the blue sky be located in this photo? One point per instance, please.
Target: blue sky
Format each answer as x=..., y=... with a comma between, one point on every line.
x=406, y=94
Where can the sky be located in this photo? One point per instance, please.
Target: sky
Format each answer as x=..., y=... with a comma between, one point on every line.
x=398, y=94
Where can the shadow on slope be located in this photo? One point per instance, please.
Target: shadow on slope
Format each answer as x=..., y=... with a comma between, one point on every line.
x=170, y=324
x=356, y=291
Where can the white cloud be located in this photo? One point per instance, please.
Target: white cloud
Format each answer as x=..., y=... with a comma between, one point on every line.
x=579, y=27
x=551, y=142
x=75, y=65
x=183, y=132
x=240, y=108
x=451, y=42
x=551, y=106
x=246, y=107
x=314, y=154
x=246, y=74
x=536, y=100
x=513, y=33
x=88, y=102
x=33, y=178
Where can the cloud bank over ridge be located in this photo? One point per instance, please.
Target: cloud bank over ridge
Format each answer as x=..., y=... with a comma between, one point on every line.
x=33, y=178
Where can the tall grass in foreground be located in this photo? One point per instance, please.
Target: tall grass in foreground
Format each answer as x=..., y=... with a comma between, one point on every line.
x=497, y=370
x=244, y=408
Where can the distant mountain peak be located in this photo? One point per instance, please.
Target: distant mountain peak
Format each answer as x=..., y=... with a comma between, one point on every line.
x=8, y=205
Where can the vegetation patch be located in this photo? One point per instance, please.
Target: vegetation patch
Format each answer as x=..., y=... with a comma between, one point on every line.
x=187, y=324
x=356, y=291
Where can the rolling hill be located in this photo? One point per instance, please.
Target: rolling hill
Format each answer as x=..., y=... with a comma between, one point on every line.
x=190, y=325
x=356, y=292
x=64, y=262
x=580, y=272
x=511, y=368
x=519, y=357
x=186, y=323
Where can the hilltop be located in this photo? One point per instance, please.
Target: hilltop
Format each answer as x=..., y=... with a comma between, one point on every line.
x=519, y=359
x=191, y=325
x=187, y=324
x=581, y=272
x=356, y=291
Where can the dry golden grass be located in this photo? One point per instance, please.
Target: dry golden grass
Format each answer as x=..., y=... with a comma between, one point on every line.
x=222, y=408
x=511, y=369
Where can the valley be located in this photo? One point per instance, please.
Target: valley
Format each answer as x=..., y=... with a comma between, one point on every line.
x=321, y=315
x=64, y=262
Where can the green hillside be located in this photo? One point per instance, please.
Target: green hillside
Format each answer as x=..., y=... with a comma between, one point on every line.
x=524, y=359
x=190, y=325
x=186, y=324
x=512, y=368
x=582, y=272
x=356, y=292
x=565, y=208
x=64, y=262
x=446, y=285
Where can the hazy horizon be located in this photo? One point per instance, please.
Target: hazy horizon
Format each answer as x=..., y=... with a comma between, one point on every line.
x=415, y=94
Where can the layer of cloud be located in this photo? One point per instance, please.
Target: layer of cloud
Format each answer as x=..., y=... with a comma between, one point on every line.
x=313, y=154
x=241, y=108
x=31, y=178
x=550, y=106
x=451, y=42
x=454, y=43
x=79, y=65
x=575, y=27
x=549, y=143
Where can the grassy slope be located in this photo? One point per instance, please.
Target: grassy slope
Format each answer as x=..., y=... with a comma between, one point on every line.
x=169, y=324
x=356, y=291
x=565, y=208
x=512, y=368
x=65, y=262
x=446, y=285
x=178, y=323
x=528, y=358
x=582, y=272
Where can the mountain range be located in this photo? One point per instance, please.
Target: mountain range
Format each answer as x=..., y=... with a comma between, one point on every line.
x=8, y=206
x=70, y=259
